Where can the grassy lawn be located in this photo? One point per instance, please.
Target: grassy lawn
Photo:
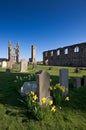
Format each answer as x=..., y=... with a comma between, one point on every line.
x=13, y=115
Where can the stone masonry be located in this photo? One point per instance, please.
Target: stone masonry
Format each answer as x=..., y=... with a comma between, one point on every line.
x=13, y=52
x=74, y=55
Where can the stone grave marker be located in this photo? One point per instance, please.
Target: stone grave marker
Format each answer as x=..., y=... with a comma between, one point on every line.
x=24, y=65
x=77, y=82
x=27, y=87
x=4, y=64
x=43, y=84
x=63, y=79
x=7, y=70
x=84, y=77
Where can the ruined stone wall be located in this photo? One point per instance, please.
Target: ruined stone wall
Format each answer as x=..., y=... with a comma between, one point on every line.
x=74, y=55
x=13, y=52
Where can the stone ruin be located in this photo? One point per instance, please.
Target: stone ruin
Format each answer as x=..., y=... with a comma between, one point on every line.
x=32, y=60
x=74, y=55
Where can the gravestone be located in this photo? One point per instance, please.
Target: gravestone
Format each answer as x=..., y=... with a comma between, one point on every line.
x=27, y=87
x=63, y=79
x=7, y=70
x=43, y=84
x=24, y=65
x=77, y=82
x=84, y=77
x=4, y=64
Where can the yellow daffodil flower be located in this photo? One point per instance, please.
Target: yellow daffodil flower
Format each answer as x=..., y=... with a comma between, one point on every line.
x=43, y=100
x=67, y=99
x=50, y=102
x=35, y=97
x=51, y=88
x=53, y=109
x=32, y=93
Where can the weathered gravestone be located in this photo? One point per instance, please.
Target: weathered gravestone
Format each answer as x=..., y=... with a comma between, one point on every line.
x=43, y=84
x=7, y=70
x=4, y=64
x=24, y=65
x=84, y=81
x=77, y=82
x=63, y=79
x=84, y=77
x=27, y=87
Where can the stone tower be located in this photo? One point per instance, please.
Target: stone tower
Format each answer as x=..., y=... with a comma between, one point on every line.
x=33, y=54
x=13, y=52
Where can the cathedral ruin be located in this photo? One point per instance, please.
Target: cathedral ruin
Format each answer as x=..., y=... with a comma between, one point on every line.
x=74, y=55
x=13, y=52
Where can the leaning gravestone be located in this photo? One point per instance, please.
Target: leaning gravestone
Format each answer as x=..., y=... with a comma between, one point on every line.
x=27, y=87
x=24, y=65
x=4, y=64
x=63, y=79
x=43, y=84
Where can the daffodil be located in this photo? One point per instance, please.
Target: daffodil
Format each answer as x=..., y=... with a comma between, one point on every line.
x=50, y=102
x=43, y=100
x=32, y=93
x=67, y=99
x=53, y=109
x=51, y=88
x=35, y=97
x=33, y=101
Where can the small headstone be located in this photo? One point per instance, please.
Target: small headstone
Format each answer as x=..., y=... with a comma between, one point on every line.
x=77, y=70
x=63, y=79
x=7, y=70
x=4, y=64
x=84, y=80
x=43, y=84
x=77, y=82
x=24, y=65
x=27, y=87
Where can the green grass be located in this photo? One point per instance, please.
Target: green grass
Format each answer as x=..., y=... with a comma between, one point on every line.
x=13, y=114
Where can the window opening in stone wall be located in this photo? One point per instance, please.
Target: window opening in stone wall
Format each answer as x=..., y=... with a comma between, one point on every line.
x=14, y=51
x=66, y=51
x=76, y=49
x=45, y=53
x=51, y=53
x=58, y=52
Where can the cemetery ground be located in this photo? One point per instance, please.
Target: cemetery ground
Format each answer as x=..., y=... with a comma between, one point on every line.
x=13, y=115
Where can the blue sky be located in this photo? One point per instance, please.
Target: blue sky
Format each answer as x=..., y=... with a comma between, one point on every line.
x=48, y=24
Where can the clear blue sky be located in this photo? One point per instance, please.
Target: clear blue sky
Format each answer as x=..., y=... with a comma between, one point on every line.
x=48, y=24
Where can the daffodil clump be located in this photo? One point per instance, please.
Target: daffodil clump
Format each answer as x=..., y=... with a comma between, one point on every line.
x=57, y=92
x=49, y=104
x=36, y=109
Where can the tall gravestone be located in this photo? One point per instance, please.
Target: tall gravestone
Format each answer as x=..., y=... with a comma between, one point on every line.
x=24, y=65
x=63, y=79
x=43, y=84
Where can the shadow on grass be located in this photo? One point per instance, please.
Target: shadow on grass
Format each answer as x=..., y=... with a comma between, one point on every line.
x=9, y=88
x=9, y=91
